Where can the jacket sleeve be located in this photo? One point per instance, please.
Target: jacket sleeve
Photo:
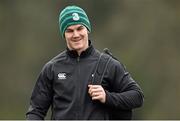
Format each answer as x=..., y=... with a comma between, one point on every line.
x=124, y=92
x=42, y=95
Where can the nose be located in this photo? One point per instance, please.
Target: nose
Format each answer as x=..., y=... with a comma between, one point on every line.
x=75, y=34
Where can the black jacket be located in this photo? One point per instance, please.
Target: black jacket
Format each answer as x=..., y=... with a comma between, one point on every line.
x=63, y=85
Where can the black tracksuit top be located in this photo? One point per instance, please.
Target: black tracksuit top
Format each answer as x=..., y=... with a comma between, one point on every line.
x=63, y=85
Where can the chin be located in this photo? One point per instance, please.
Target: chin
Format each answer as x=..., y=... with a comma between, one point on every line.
x=77, y=48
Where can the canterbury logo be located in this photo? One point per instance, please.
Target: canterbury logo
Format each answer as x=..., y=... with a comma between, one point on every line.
x=62, y=76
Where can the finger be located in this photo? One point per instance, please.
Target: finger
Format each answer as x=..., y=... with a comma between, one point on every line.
x=99, y=97
x=94, y=94
x=93, y=89
x=90, y=92
x=90, y=85
x=100, y=89
x=90, y=88
x=95, y=86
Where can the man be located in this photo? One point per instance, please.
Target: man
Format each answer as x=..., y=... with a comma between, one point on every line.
x=65, y=81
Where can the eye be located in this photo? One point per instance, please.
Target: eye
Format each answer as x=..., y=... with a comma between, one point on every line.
x=69, y=30
x=80, y=28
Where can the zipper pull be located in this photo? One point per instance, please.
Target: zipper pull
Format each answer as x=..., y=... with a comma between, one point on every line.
x=78, y=58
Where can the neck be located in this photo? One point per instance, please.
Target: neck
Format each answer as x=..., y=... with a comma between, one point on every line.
x=75, y=53
x=81, y=50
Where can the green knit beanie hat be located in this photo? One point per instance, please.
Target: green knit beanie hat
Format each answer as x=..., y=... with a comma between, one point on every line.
x=72, y=15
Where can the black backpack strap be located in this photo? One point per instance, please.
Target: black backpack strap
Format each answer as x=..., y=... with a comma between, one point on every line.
x=97, y=77
x=105, y=68
x=100, y=68
x=95, y=71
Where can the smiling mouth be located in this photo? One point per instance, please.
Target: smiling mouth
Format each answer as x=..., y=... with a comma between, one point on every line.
x=76, y=40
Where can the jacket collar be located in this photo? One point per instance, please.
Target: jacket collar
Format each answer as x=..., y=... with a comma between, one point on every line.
x=87, y=52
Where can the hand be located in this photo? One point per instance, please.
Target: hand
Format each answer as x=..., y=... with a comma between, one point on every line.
x=97, y=93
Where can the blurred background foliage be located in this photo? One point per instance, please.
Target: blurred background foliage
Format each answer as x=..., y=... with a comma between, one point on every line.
x=143, y=34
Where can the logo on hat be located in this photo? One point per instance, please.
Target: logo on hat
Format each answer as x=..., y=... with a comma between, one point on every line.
x=75, y=16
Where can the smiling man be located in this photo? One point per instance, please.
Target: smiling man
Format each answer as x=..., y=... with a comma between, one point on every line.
x=77, y=38
x=65, y=82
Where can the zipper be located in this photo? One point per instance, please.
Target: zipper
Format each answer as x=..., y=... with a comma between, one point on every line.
x=78, y=89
